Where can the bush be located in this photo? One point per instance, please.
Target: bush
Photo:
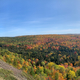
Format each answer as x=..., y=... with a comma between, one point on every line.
x=78, y=72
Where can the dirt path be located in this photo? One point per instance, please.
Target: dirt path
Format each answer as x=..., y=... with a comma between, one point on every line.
x=16, y=72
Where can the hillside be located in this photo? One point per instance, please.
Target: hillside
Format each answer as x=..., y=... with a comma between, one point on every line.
x=45, y=57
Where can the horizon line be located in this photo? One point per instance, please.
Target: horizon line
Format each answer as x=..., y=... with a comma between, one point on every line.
x=43, y=34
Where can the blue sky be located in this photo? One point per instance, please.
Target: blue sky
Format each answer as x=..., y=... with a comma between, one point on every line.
x=34, y=17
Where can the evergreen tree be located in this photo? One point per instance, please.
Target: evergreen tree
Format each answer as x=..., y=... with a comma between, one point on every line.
x=56, y=76
x=32, y=71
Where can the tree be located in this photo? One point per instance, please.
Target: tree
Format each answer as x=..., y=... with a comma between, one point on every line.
x=32, y=71
x=50, y=65
x=78, y=72
x=56, y=76
x=43, y=63
x=71, y=74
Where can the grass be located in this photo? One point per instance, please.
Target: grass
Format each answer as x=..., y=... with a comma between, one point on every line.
x=6, y=75
x=78, y=78
x=29, y=77
x=1, y=78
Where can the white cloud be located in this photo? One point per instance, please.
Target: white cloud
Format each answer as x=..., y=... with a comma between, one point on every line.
x=39, y=20
x=31, y=21
x=77, y=24
x=16, y=30
x=64, y=31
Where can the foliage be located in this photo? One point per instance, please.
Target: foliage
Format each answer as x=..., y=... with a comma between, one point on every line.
x=71, y=74
x=78, y=72
x=46, y=57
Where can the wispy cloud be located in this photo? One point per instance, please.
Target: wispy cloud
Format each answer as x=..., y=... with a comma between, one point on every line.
x=62, y=31
x=39, y=17
x=39, y=20
x=75, y=24
x=46, y=18
x=16, y=30
x=31, y=21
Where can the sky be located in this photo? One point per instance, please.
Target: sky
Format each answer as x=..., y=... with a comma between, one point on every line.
x=38, y=17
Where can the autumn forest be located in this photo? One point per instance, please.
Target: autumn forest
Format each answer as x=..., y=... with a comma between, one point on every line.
x=44, y=57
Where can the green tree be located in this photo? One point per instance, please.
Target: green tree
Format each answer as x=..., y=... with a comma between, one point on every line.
x=32, y=71
x=78, y=72
x=56, y=76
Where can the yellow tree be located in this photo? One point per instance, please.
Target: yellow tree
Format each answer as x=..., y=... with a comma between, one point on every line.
x=71, y=74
